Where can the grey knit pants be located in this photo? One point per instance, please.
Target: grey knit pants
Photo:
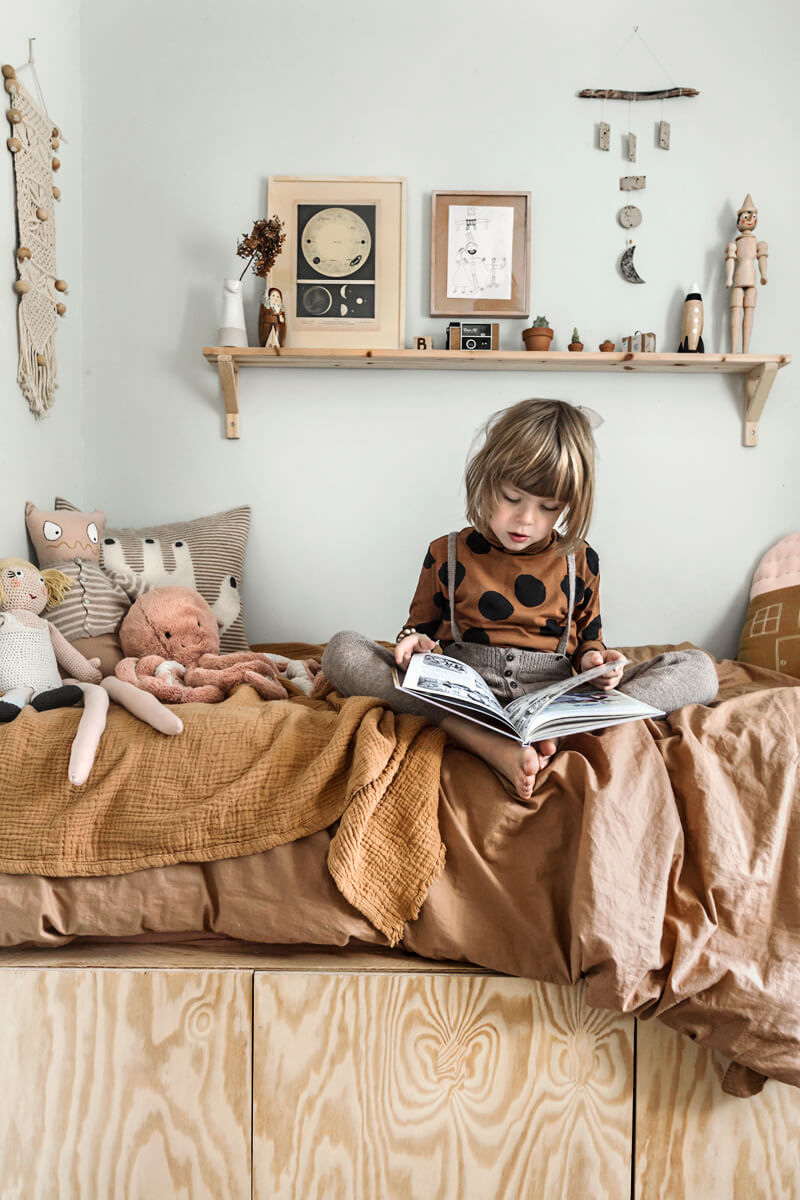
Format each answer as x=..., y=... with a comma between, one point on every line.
x=357, y=666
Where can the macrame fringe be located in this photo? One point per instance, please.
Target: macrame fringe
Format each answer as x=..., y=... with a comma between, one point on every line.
x=38, y=380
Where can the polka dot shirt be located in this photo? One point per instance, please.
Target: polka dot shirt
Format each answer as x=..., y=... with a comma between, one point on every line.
x=509, y=599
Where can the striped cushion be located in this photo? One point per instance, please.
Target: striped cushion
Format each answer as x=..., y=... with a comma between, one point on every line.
x=206, y=553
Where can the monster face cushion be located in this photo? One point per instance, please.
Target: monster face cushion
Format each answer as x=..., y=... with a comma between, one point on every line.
x=93, y=608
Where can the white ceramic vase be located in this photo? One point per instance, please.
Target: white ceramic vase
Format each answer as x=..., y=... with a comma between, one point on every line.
x=232, y=331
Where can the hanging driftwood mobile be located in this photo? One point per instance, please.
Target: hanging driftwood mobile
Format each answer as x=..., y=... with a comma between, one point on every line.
x=633, y=182
x=33, y=143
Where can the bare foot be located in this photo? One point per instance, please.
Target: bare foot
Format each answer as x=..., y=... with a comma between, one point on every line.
x=518, y=764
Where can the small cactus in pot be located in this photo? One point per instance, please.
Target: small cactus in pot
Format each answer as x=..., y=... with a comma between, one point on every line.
x=539, y=335
x=576, y=343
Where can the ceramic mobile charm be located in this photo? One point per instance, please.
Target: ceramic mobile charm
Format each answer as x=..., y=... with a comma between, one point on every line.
x=740, y=274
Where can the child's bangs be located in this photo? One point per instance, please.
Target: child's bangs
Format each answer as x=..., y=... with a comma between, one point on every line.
x=551, y=474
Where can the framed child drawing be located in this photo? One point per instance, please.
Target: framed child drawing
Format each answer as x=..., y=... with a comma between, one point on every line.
x=479, y=254
x=343, y=268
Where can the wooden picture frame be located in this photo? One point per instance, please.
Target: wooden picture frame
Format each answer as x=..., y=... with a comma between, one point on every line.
x=342, y=270
x=469, y=278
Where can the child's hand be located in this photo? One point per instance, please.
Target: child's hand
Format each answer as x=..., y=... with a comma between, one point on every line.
x=593, y=658
x=415, y=643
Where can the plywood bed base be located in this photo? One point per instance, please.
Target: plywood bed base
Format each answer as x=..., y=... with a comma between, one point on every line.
x=229, y=1070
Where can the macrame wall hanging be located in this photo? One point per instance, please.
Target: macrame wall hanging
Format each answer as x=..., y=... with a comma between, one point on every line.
x=33, y=142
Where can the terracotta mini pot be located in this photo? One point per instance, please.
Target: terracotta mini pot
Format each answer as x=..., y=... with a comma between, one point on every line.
x=607, y=347
x=537, y=337
x=575, y=346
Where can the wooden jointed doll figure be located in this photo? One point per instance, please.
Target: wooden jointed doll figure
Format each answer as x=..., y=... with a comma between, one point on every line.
x=740, y=271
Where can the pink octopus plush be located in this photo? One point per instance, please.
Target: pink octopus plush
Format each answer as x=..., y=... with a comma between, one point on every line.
x=171, y=641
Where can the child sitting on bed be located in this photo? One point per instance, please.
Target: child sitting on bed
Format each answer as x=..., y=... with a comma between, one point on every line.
x=515, y=597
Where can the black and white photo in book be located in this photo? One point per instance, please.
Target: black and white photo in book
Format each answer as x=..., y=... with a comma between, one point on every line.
x=568, y=706
x=336, y=261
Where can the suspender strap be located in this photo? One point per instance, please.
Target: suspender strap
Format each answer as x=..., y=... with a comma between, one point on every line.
x=562, y=645
x=451, y=584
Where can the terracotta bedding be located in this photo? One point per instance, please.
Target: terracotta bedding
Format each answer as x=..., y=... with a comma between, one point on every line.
x=661, y=861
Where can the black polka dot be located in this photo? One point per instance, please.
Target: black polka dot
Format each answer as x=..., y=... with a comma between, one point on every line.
x=579, y=588
x=439, y=600
x=592, y=561
x=529, y=590
x=551, y=628
x=495, y=607
x=109, y=541
x=478, y=543
x=428, y=628
x=592, y=631
x=479, y=636
x=429, y=560
x=587, y=597
x=179, y=543
x=150, y=541
x=232, y=581
x=460, y=573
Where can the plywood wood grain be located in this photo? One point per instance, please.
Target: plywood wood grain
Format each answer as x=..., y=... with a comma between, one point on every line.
x=694, y=1142
x=437, y=1086
x=124, y=1084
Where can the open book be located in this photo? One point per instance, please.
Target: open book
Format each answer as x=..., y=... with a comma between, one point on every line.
x=567, y=706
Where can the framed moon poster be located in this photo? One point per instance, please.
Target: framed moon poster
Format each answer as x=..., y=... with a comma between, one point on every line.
x=479, y=254
x=343, y=265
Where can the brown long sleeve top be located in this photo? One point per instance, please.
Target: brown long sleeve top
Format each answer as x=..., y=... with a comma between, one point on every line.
x=504, y=598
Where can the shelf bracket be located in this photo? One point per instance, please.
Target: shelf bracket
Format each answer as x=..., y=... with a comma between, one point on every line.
x=757, y=384
x=229, y=382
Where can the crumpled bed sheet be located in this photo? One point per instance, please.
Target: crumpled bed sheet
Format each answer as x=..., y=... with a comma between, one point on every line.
x=660, y=861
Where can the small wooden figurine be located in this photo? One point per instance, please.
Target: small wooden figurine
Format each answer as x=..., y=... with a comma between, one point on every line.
x=740, y=271
x=272, y=320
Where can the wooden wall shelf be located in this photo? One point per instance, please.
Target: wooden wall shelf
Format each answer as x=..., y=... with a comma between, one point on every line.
x=758, y=370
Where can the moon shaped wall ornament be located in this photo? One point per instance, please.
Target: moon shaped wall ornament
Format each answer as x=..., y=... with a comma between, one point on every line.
x=627, y=268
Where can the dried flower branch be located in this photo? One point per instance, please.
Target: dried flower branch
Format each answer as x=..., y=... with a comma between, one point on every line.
x=263, y=244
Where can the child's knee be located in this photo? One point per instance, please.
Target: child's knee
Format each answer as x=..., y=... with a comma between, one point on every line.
x=349, y=661
x=705, y=674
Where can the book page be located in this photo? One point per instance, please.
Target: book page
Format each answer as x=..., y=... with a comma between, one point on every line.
x=437, y=675
x=577, y=710
x=524, y=708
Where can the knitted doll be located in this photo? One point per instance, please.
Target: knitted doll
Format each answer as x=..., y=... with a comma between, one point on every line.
x=31, y=648
x=31, y=651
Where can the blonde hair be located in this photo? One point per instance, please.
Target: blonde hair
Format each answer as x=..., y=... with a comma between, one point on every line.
x=544, y=447
x=56, y=582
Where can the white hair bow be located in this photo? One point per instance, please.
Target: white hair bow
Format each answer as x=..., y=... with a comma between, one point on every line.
x=594, y=418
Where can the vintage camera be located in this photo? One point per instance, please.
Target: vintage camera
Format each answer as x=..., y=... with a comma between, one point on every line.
x=473, y=335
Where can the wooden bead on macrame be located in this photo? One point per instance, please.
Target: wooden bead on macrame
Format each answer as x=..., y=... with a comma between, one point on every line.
x=21, y=287
x=55, y=164
x=61, y=285
x=9, y=72
x=23, y=252
x=14, y=116
x=14, y=144
x=54, y=143
x=40, y=360
x=42, y=214
x=61, y=309
x=11, y=86
x=56, y=193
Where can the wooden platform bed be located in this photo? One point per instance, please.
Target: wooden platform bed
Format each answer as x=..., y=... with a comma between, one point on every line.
x=203, y=1070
